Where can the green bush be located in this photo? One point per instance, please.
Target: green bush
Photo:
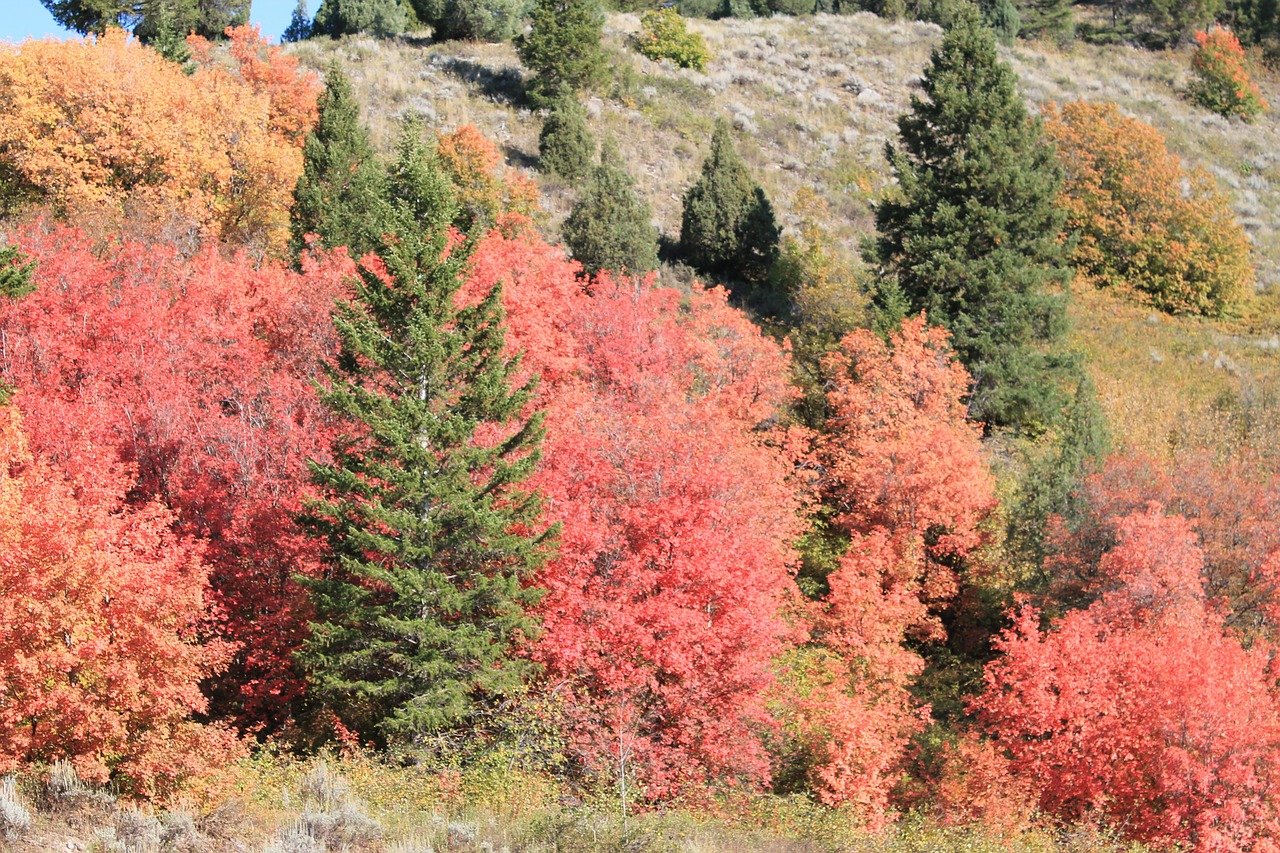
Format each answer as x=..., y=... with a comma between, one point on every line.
x=663, y=35
x=562, y=47
x=728, y=227
x=565, y=145
x=611, y=226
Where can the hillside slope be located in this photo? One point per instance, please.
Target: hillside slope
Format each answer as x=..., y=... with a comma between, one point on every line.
x=815, y=99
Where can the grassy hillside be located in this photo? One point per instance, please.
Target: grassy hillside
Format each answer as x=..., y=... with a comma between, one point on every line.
x=815, y=99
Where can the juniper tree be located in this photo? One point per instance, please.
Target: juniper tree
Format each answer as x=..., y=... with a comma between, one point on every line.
x=611, y=226
x=562, y=47
x=565, y=145
x=973, y=236
x=379, y=18
x=728, y=227
x=341, y=184
x=427, y=535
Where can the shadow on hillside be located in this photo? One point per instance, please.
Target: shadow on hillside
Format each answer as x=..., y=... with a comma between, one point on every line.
x=515, y=157
x=505, y=85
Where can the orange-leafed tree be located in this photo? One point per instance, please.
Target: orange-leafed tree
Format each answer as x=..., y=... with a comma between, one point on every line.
x=488, y=193
x=663, y=609
x=1146, y=225
x=1232, y=505
x=1142, y=709
x=197, y=374
x=902, y=470
x=106, y=132
x=101, y=611
x=1222, y=82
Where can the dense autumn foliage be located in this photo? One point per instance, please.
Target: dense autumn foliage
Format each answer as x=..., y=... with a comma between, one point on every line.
x=196, y=373
x=903, y=469
x=1222, y=83
x=1145, y=223
x=101, y=606
x=106, y=132
x=662, y=612
x=1231, y=506
x=488, y=193
x=1143, y=709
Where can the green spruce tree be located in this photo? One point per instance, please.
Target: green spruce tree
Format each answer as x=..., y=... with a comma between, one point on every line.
x=611, y=226
x=426, y=530
x=562, y=47
x=341, y=186
x=565, y=145
x=299, y=28
x=15, y=273
x=728, y=228
x=973, y=236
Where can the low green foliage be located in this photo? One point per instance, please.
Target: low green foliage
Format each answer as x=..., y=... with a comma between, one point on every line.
x=727, y=226
x=663, y=35
x=611, y=227
x=565, y=146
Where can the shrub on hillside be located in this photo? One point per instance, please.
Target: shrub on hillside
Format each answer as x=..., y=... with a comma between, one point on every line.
x=110, y=133
x=1222, y=84
x=565, y=146
x=1144, y=223
x=663, y=35
x=562, y=47
x=611, y=226
x=728, y=227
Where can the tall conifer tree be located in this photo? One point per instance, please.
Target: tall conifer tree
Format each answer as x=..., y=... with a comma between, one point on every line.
x=341, y=184
x=562, y=47
x=427, y=532
x=727, y=226
x=973, y=236
x=611, y=226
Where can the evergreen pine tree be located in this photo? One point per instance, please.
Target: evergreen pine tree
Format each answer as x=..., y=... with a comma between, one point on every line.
x=481, y=20
x=15, y=274
x=151, y=19
x=380, y=18
x=973, y=234
x=728, y=227
x=565, y=145
x=299, y=28
x=1052, y=20
x=426, y=530
x=611, y=227
x=562, y=48
x=341, y=184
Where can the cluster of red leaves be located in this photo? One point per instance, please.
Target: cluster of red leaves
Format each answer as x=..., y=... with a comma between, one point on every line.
x=196, y=374
x=1222, y=83
x=1143, y=709
x=903, y=468
x=662, y=611
x=1231, y=506
x=100, y=658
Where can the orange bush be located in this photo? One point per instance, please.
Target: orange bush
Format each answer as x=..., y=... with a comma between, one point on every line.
x=103, y=608
x=1144, y=223
x=107, y=131
x=488, y=193
x=1222, y=84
